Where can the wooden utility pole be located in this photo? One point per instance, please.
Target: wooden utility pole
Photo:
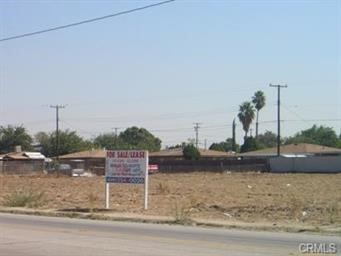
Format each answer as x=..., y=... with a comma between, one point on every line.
x=278, y=115
x=57, y=107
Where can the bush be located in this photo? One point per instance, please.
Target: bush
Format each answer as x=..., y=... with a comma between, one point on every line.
x=182, y=213
x=30, y=199
x=250, y=144
x=191, y=152
x=162, y=188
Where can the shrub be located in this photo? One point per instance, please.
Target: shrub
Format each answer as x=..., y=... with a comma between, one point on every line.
x=30, y=199
x=92, y=199
x=182, y=213
x=162, y=188
x=191, y=152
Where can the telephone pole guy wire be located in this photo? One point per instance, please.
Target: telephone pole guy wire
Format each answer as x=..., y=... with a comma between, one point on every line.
x=85, y=21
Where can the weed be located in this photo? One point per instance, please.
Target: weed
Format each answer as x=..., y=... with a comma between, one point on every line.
x=22, y=198
x=92, y=199
x=333, y=211
x=182, y=213
x=162, y=188
x=295, y=207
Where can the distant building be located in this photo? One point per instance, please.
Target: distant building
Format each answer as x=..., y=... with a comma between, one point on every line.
x=294, y=150
x=302, y=157
x=94, y=160
x=177, y=154
x=22, y=163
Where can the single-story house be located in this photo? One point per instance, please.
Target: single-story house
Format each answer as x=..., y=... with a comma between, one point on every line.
x=302, y=157
x=294, y=150
x=22, y=163
x=177, y=154
x=92, y=160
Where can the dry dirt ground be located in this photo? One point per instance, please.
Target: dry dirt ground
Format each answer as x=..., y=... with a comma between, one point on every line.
x=250, y=197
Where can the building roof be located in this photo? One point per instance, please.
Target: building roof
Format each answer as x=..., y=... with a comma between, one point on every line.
x=177, y=152
x=23, y=156
x=93, y=154
x=294, y=149
x=98, y=153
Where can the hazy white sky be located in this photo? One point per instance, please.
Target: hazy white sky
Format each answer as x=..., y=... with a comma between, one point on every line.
x=170, y=66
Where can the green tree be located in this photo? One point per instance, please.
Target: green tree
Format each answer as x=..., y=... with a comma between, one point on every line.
x=246, y=115
x=139, y=138
x=268, y=139
x=190, y=152
x=250, y=144
x=12, y=136
x=109, y=141
x=69, y=142
x=224, y=146
x=320, y=135
x=258, y=100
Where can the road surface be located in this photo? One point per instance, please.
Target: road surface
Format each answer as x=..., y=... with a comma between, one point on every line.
x=22, y=235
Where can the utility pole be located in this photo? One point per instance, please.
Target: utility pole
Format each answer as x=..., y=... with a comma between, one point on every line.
x=234, y=135
x=116, y=135
x=278, y=115
x=116, y=131
x=196, y=129
x=57, y=107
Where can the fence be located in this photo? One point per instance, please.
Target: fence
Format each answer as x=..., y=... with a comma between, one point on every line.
x=21, y=167
x=212, y=165
x=314, y=164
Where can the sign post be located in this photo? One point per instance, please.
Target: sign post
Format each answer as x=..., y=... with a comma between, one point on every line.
x=146, y=188
x=107, y=195
x=126, y=166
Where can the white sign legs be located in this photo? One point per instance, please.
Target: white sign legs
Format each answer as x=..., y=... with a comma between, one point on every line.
x=107, y=195
x=146, y=188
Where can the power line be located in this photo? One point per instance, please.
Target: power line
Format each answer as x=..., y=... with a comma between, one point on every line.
x=85, y=21
x=291, y=111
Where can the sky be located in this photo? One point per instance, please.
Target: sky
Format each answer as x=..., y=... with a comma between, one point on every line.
x=168, y=67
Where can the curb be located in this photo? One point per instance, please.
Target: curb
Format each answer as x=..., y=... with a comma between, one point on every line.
x=128, y=217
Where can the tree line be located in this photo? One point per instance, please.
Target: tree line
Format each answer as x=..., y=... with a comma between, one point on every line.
x=248, y=110
x=70, y=141
x=141, y=138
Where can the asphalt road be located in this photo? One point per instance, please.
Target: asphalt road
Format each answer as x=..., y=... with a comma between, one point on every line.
x=22, y=235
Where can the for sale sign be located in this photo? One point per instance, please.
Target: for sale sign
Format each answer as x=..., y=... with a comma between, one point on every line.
x=126, y=166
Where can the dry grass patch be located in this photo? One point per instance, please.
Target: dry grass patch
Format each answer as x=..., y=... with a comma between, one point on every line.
x=291, y=198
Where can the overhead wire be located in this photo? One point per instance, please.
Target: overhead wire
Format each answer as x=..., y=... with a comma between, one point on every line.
x=85, y=21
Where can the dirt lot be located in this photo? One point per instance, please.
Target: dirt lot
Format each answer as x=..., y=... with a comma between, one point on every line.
x=278, y=198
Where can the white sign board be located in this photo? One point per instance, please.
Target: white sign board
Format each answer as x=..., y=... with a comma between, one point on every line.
x=126, y=166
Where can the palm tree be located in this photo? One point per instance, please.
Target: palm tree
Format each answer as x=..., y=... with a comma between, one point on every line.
x=246, y=115
x=259, y=102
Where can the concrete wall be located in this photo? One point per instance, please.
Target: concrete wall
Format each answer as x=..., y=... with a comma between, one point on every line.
x=317, y=164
